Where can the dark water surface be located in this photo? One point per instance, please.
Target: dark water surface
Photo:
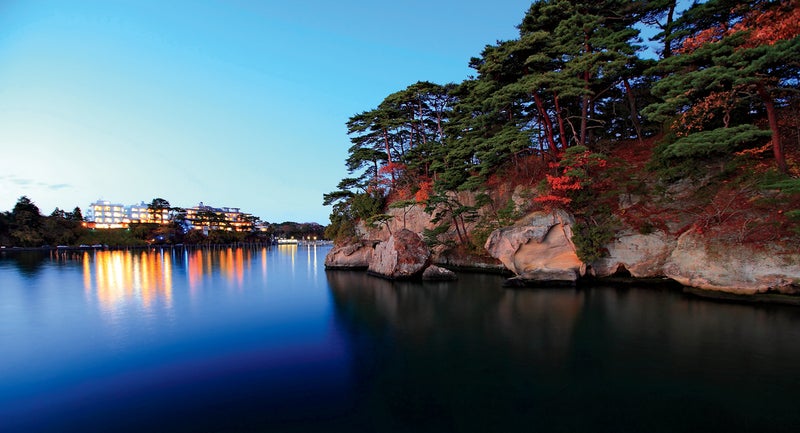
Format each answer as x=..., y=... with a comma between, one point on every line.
x=249, y=340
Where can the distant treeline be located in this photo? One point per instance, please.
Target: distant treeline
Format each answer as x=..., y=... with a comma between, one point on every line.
x=25, y=226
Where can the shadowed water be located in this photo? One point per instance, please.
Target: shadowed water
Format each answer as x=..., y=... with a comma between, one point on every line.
x=266, y=340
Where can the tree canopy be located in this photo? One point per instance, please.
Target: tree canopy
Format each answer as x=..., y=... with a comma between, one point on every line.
x=578, y=75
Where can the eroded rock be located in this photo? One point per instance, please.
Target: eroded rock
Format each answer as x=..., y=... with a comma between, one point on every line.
x=435, y=273
x=739, y=269
x=538, y=248
x=458, y=259
x=403, y=256
x=643, y=256
x=350, y=256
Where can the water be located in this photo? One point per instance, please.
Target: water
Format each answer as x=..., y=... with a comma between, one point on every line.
x=247, y=340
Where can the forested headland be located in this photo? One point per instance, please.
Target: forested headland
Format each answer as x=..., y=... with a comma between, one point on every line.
x=701, y=130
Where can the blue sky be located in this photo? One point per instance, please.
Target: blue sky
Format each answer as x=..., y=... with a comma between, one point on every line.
x=233, y=103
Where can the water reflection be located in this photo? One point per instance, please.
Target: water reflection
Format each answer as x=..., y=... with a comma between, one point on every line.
x=288, y=251
x=277, y=350
x=527, y=323
x=240, y=268
x=289, y=255
x=29, y=263
x=119, y=278
x=117, y=341
x=482, y=358
x=231, y=263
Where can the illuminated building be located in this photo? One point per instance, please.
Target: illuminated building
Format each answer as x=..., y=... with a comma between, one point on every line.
x=203, y=217
x=143, y=214
x=104, y=214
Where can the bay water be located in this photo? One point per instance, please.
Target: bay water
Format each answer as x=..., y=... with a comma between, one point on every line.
x=265, y=339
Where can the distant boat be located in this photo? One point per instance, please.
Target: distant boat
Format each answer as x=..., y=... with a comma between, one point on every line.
x=314, y=242
x=287, y=241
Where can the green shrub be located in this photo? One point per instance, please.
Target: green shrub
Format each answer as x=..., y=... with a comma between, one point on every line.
x=590, y=240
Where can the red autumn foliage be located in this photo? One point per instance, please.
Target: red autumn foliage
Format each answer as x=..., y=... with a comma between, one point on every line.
x=392, y=168
x=573, y=175
x=704, y=110
x=424, y=192
x=399, y=193
x=551, y=201
x=770, y=26
x=707, y=36
x=766, y=24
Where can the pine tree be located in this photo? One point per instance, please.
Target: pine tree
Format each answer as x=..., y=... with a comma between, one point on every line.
x=734, y=62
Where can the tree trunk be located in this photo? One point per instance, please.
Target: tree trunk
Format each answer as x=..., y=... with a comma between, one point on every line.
x=548, y=125
x=458, y=231
x=585, y=99
x=388, y=152
x=439, y=126
x=772, y=118
x=668, y=31
x=585, y=110
x=464, y=228
x=422, y=124
x=634, y=112
x=560, y=119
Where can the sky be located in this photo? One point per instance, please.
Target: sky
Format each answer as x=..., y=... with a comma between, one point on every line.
x=230, y=103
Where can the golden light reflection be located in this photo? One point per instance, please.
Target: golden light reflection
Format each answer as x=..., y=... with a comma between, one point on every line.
x=122, y=277
x=239, y=264
x=87, y=273
x=290, y=250
x=194, y=264
x=264, y=264
x=229, y=262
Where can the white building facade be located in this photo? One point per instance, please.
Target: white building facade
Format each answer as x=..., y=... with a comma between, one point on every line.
x=106, y=214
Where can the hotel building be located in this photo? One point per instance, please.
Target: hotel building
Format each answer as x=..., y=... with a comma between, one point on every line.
x=203, y=217
x=103, y=214
x=141, y=213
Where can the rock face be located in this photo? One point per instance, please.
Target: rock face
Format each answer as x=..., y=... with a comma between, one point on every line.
x=435, y=273
x=350, y=256
x=403, y=256
x=538, y=248
x=443, y=256
x=643, y=256
x=739, y=269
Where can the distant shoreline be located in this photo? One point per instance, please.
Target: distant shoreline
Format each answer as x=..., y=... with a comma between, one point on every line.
x=153, y=247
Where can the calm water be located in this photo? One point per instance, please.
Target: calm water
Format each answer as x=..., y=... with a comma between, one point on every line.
x=241, y=340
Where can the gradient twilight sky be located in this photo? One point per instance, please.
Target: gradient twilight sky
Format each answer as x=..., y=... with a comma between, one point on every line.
x=233, y=103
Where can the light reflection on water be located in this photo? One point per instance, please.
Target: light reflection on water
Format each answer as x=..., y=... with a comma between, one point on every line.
x=123, y=278
x=90, y=341
x=289, y=251
x=230, y=262
x=118, y=278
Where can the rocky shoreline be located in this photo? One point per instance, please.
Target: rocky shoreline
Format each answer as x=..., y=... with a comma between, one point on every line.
x=538, y=251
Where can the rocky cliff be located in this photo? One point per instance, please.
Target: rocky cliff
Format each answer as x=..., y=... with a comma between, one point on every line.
x=538, y=248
